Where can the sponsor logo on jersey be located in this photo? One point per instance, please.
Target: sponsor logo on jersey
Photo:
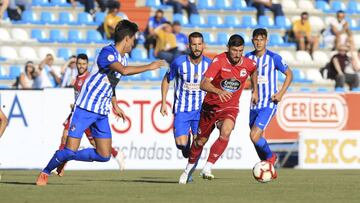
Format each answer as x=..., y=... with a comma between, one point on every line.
x=191, y=86
x=230, y=85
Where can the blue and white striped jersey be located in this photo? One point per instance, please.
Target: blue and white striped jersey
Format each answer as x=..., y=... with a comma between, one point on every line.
x=97, y=91
x=267, y=67
x=187, y=93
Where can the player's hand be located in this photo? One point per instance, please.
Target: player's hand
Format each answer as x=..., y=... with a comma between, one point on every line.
x=119, y=113
x=157, y=64
x=276, y=98
x=71, y=106
x=224, y=95
x=254, y=98
x=163, y=110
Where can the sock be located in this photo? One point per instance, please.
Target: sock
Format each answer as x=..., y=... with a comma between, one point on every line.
x=62, y=146
x=114, y=153
x=89, y=155
x=185, y=151
x=59, y=157
x=217, y=149
x=263, y=149
x=207, y=167
x=195, y=153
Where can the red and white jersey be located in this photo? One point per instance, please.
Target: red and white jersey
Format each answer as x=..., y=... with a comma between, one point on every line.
x=227, y=77
x=80, y=79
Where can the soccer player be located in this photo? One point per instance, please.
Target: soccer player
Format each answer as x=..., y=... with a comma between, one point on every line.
x=268, y=63
x=93, y=103
x=187, y=70
x=223, y=82
x=83, y=73
x=3, y=123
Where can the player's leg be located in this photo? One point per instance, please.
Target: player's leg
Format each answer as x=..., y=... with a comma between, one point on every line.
x=181, y=132
x=218, y=148
x=60, y=170
x=262, y=120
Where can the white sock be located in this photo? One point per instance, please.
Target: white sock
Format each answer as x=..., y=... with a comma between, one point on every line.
x=207, y=167
x=189, y=168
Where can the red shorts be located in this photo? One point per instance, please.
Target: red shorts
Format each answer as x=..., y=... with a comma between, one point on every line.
x=208, y=120
x=66, y=125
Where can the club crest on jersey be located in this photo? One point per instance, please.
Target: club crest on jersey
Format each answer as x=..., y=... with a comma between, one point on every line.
x=243, y=73
x=73, y=127
x=110, y=57
x=230, y=85
x=196, y=76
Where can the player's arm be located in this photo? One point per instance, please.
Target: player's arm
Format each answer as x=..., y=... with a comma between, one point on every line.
x=3, y=123
x=207, y=86
x=164, y=90
x=254, y=84
x=117, y=110
x=288, y=78
x=132, y=70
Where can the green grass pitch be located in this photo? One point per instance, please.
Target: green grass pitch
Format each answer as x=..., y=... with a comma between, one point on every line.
x=162, y=186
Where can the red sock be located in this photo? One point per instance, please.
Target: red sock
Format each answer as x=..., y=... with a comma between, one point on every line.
x=62, y=146
x=114, y=152
x=195, y=152
x=217, y=149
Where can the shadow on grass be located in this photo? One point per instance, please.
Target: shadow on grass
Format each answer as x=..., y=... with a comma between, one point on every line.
x=145, y=180
x=17, y=183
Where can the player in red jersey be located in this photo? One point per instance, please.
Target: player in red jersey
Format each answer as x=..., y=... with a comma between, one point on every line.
x=224, y=81
x=83, y=73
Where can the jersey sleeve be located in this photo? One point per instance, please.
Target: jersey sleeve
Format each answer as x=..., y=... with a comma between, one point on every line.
x=214, y=68
x=280, y=63
x=171, y=73
x=106, y=57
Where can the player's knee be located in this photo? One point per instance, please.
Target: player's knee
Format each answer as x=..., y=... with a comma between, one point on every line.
x=181, y=147
x=200, y=141
x=65, y=155
x=225, y=138
x=100, y=158
x=254, y=137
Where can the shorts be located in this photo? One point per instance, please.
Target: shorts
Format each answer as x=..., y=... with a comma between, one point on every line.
x=83, y=119
x=66, y=125
x=261, y=117
x=208, y=120
x=186, y=121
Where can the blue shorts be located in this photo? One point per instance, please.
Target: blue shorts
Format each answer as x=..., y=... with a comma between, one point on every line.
x=83, y=119
x=184, y=121
x=261, y=117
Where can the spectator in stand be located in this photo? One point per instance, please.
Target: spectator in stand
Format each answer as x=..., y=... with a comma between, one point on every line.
x=179, y=5
x=70, y=72
x=154, y=22
x=3, y=6
x=26, y=78
x=111, y=19
x=181, y=38
x=343, y=69
x=88, y=4
x=339, y=32
x=46, y=75
x=166, y=47
x=260, y=6
x=302, y=33
x=103, y=4
x=16, y=7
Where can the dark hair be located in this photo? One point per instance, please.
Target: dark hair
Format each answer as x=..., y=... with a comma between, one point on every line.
x=195, y=35
x=159, y=11
x=339, y=11
x=125, y=28
x=260, y=31
x=304, y=13
x=82, y=56
x=176, y=22
x=26, y=66
x=113, y=5
x=235, y=41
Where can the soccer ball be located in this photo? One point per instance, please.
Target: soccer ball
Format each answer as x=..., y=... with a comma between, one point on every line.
x=263, y=171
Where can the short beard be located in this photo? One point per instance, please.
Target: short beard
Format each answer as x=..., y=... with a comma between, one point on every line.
x=193, y=56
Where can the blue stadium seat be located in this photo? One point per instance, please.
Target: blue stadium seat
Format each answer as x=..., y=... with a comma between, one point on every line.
x=64, y=53
x=99, y=17
x=153, y=3
x=214, y=21
x=28, y=17
x=61, y=3
x=84, y=18
x=138, y=54
x=93, y=36
x=337, y=6
x=148, y=76
x=75, y=36
x=14, y=72
x=3, y=74
x=248, y=21
x=66, y=18
x=223, y=5
x=264, y=21
x=340, y=90
x=181, y=18
x=322, y=90
x=57, y=36
x=47, y=18
x=197, y=20
x=222, y=38
x=241, y=5
x=39, y=35
x=281, y=76
x=40, y=2
x=357, y=89
x=232, y=21
x=353, y=7
x=209, y=38
x=299, y=77
x=204, y=4
x=83, y=51
x=352, y=24
x=322, y=5
x=305, y=89
x=282, y=22
x=162, y=72
x=275, y=40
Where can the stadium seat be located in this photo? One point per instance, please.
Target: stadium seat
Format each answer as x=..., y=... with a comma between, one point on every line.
x=57, y=36
x=305, y=89
x=320, y=57
x=47, y=18
x=63, y=53
x=337, y=6
x=3, y=74
x=282, y=22
x=75, y=36
x=138, y=54
x=183, y=20
x=303, y=57
x=214, y=21
x=352, y=24
x=99, y=17
x=93, y=36
x=232, y=21
x=8, y=52
x=275, y=40
x=19, y=34
x=248, y=21
x=299, y=76
x=4, y=35
x=314, y=75
x=197, y=20
x=122, y=15
x=222, y=38
x=61, y=3
x=287, y=56
x=323, y=90
x=43, y=51
x=323, y=6
x=27, y=53
x=353, y=7
x=265, y=21
x=84, y=51
x=28, y=17
x=84, y=18
x=223, y=5
x=40, y=2
x=14, y=72
x=241, y=5
x=317, y=24
x=205, y=5
x=306, y=5
x=289, y=5
x=66, y=18
x=339, y=89
x=357, y=89
x=153, y=3
x=357, y=40
x=38, y=34
x=209, y=38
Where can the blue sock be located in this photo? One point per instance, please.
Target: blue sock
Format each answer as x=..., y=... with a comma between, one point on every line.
x=90, y=154
x=59, y=157
x=263, y=149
